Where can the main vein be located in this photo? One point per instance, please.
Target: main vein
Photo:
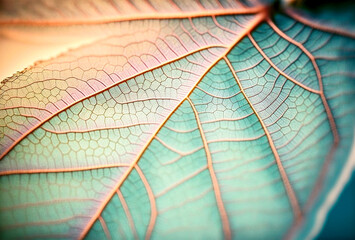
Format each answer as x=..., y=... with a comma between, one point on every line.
x=254, y=23
x=135, y=17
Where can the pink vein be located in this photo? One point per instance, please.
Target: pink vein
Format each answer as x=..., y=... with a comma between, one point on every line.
x=194, y=174
x=104, y=227
x=153, y=208
x=175, y=150
x=46, y=203
x=128, y=213
x=237, y=139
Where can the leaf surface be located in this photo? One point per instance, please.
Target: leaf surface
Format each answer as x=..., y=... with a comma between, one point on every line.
x=225, y=120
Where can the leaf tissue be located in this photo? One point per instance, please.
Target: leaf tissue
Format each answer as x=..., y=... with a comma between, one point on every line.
x=173, y=119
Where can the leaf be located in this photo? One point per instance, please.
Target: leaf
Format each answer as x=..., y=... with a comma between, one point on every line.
x=204, y=119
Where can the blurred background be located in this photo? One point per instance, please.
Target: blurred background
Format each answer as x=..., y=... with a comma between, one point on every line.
x=340, y=222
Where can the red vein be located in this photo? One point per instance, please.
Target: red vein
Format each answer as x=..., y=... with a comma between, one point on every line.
x=104, y=227
x=255, y=22
x=217, y=191
x=318, y=26
x=141, y=16
x=128, y=213
x=289, y=189
x=153, y=208
x=277, y=69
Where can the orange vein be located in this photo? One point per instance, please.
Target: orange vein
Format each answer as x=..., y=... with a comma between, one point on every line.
x=46, y=203
x=330, y=116
x=277, y=69
x=324, y=101
x=289, y=190
x=255, y=22
x=124, y=177
x=153, y=208
x=41, y=122
x=319, y=76
x=104, y=227
x=181, y=181
x=141, y=16
x=54, y=170
x=96, y=129
x=318, y=26
x=128, y=213
x=217, y=191
x=42, y=223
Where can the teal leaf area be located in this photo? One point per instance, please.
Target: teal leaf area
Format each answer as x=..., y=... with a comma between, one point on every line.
x=233, y=126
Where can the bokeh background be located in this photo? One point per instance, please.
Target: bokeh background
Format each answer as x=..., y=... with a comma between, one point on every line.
x=340, y=223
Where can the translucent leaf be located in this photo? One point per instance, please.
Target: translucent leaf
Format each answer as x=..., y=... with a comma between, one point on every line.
x=178, y=119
